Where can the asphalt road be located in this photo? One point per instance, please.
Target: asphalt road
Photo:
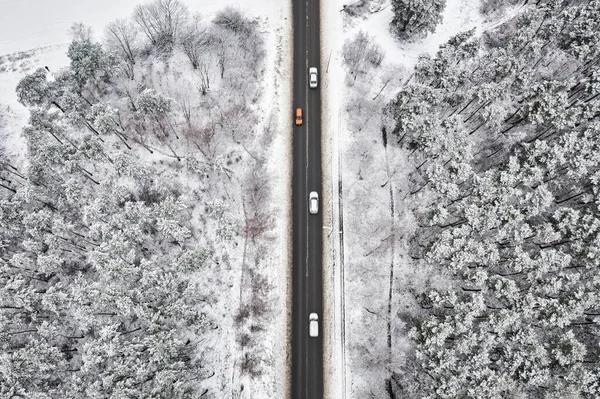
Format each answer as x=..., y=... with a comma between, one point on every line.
x=307, y=296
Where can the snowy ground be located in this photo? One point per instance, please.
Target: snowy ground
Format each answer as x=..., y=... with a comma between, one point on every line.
x=361, y=170
x=29, y=24
x=30, y=40
x=458, y=16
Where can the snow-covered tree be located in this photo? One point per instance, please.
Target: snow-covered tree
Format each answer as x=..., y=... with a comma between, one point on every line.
x=194, y=40
x=34, y=90
x=161, y=22
x=121, y=38
x=89, y=63
x=156, y=109
x=416, y=18
x=115, y=270
x=503, y=136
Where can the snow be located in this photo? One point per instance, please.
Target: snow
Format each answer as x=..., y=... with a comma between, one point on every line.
x=28, y=24
x=505, y=15
x=13, y=116
x=45, y=31
x=459, y=15
x=44, y=26
x=357, y=360
x=331, y=86
x=276, y=100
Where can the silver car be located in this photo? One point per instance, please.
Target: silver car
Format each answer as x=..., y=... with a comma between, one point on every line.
x=313, y=75
x=313, y=325
x=313, y=202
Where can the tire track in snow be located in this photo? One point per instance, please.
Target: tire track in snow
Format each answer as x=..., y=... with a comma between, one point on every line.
x=503, y=19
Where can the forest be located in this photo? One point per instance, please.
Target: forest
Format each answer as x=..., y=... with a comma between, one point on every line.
x=502, y=132
x=132, y=241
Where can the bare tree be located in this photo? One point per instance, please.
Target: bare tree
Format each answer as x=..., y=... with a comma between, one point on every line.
x=121, y=38
x=226, y=44
x=360, y=52
x=194, y=40
x=161, y=21
x=233, y=20
x=204, y=83
x=185, y=106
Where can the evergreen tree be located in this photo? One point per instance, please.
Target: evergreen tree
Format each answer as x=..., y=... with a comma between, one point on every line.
x=505, y=159
x=416, y=18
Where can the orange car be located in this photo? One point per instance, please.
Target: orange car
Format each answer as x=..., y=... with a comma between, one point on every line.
x=298, y=116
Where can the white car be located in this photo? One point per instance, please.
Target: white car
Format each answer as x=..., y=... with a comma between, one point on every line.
x=313, y=202
x=313, y=325
x=313, y=75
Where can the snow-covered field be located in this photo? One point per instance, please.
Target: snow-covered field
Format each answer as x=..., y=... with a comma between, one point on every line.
x=29, y=24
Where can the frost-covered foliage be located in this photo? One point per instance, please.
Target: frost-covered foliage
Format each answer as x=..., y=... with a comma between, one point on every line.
x=154, y=104
x=504, y=135
x=117, y=243
x=89, y=62
x=72, y=90
x=99, y=295
x=416, y=18
x=34, y=89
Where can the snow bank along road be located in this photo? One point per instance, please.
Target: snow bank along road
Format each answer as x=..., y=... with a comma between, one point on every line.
x=307, y=296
